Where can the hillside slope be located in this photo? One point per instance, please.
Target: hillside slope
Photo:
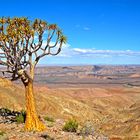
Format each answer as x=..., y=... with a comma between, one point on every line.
x=114, y=111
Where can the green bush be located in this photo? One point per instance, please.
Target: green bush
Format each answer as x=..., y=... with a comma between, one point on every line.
x=2, y=133
x=5, y=110
x=21, y=117
x=70, y=126
x=49, y=119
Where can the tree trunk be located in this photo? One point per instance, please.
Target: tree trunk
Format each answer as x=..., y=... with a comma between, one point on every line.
x=32, y=122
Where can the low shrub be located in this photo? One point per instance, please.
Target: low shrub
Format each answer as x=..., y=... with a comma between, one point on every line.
x=49, y=119
x=4, y=111
x=21, y=117
x=2, y=133
x=87, y=129
x=70, y=126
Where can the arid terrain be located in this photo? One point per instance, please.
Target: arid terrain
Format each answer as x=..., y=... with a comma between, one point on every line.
x=107, y=96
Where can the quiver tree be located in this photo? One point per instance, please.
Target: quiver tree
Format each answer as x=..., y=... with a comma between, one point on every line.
x=22, y=44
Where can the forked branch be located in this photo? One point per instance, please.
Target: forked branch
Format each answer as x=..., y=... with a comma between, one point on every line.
x=23, y=43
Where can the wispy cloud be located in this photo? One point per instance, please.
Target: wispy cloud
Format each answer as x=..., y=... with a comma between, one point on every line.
x=70, y=55
x=109, y=52
x=68, y=51
x=94, y=52
x=86, y=28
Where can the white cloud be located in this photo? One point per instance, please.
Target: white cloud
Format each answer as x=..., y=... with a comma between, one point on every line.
x=114, y=52
x=79, y=50
x=86, y=28
x=83, y=52
x=68, y=51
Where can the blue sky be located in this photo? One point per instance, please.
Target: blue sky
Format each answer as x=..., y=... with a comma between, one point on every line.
x=98, y=31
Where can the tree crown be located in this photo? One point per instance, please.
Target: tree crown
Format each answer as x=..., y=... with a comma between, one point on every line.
x=23, y=43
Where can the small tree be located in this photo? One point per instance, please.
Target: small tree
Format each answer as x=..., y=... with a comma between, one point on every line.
x=22, y=44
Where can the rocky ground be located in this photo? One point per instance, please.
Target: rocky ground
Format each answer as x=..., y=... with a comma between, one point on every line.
x=11, y=130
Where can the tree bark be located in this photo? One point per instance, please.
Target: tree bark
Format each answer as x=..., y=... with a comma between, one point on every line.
x=32, y=122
